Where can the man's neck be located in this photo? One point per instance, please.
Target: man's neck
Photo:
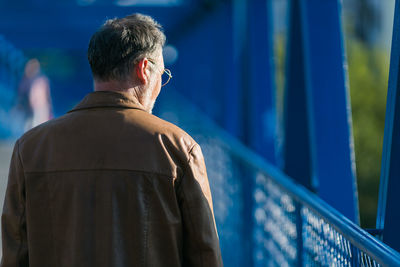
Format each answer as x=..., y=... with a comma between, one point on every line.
x=117, y=86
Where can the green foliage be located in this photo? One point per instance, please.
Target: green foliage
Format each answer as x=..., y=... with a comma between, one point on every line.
x=368, y=74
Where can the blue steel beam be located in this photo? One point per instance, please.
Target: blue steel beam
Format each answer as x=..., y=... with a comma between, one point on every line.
x=233, y=92
x=296, y=145
x=40, y=25
x=329, y=105
x=70, y=26
x=388, y=216
x=328, y=113
x=261, y=107
x=259, y=100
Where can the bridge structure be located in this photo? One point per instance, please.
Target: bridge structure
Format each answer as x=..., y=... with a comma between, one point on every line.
x=284, y=190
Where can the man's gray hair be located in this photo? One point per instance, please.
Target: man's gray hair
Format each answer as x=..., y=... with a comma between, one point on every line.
x=120, y=43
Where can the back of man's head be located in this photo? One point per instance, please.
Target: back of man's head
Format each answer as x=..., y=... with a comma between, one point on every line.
x=119, y=43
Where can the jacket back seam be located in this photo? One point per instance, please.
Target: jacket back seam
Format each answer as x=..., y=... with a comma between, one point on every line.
x=100, y=169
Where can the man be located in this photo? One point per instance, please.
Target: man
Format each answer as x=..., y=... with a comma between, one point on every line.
x=109, y=184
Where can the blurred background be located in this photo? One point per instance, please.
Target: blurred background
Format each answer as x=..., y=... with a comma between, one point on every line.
x=44, y=70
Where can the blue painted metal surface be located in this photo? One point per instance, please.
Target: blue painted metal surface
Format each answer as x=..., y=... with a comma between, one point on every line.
x=388, y=216
x=328, y=114
x=296, y=145
x=259, y=99
x=261, y=120
x=329, y=238
x=233, y=93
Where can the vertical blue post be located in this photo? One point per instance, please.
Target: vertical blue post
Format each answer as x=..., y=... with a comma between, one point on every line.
x=318, y=134
x=233, y=102
x=329, y=110
x=296, y=146
x=388, y=217
x=259, y=96
x=260, y=122
x=299, y=232
x=236, y=114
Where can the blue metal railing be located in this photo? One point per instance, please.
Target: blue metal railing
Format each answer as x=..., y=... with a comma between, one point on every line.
x=290, y=225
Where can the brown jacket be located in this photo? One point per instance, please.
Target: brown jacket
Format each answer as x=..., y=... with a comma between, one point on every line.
x=108, y=184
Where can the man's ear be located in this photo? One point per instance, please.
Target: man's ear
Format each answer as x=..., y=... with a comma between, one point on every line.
x=141, y=70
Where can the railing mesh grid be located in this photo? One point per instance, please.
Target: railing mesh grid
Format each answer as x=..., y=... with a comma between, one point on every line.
x=278, y=218
x=275, y=218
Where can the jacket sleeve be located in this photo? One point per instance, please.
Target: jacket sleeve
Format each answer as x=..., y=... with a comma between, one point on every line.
x=13, y=222
x=200, y=238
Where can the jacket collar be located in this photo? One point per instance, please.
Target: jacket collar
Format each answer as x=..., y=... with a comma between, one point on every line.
x=108, y=99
